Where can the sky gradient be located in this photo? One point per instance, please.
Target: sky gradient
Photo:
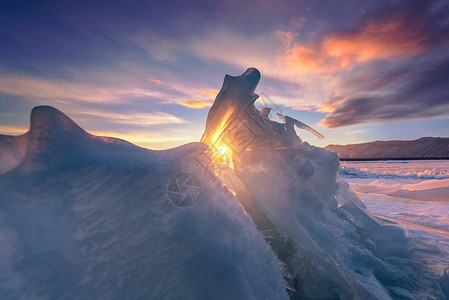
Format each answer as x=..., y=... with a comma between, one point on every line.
x=148, y=71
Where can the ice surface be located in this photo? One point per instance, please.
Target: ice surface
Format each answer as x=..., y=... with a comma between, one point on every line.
x=400, y=170
x=87, y=217
x=431, y=190
x=419, y=205
x=332, y=231
x=12, y=151
x=289, y=121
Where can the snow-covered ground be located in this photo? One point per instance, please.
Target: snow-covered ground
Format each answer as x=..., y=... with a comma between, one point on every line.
x=411, y=171
x=413, y=194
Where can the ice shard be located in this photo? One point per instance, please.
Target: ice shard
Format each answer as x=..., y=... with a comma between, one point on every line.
x=234, y=124
x=234, y=120
x=290, y=122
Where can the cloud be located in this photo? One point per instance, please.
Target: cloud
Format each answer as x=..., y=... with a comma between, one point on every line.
x=346, y=49
x=34, y=87
x=133, y=118
x=206, y=94
x=130, y=102
x=346, y=72
x=12, y=130
x=422, y=93
x=394, y=67
x=106, y=87
x=195, y=104
x=348, y=68
x=237, y=49
x=157, y=47
x=192, y=97
x=210, y=93
x=155, y=140
x=157, y=81
x=315, y=65
x=396, y=31
x=266, y=52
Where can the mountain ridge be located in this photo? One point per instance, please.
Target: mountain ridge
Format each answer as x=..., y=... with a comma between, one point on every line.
x=422, y=148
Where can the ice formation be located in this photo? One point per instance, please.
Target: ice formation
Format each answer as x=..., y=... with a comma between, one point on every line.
x=331, y=247
x=88, y=217
x=254, y=214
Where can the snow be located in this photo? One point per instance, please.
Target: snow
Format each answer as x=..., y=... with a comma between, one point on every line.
x=420, y=206
x=397, y=170
x=431, y=190
x=333, y=231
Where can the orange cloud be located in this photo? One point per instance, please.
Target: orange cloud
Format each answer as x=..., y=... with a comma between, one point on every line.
x=195, y=104
x=157, y=81
x=330, y=106
x=376, y=40
x=210, y=93
x=10, y=130
x=303, y=59
x=152, y=140
x=141, y=119
x=344, y=51
x=325, y=107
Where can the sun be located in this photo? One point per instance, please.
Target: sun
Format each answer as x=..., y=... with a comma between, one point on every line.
x=221, y=150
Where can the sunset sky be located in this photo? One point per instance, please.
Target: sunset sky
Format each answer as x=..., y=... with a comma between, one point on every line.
x=148, y=71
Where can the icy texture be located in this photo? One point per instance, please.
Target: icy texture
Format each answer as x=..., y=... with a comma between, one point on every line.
x=419, y=169
x=342, y=251
x=431, y=190
x=410, y=202
x=422, y=214
x=87, y=217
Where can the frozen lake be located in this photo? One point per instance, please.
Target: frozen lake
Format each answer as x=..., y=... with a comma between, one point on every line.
x=413, y=194
x=401, y=171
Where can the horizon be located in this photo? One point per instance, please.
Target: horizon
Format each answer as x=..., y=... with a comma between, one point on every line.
x=423, y=137
x=149, y=72
x=398, y=140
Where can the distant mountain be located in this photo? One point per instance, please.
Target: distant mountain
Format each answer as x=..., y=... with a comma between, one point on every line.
x=426, y=147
